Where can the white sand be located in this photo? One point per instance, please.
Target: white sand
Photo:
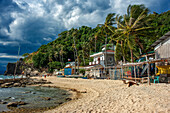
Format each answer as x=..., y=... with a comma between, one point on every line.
x=112, y=96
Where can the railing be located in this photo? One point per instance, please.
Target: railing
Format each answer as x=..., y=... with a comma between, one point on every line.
x=102, y=63
x=97, y=62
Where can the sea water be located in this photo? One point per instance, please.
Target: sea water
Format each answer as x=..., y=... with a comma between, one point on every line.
x=3, y=77
x=34, y=96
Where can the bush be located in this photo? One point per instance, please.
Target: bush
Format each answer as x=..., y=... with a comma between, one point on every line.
x=82, y=71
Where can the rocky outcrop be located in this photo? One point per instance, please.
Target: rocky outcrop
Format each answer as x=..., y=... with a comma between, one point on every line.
x=22, y=82
x=21, y=66
x=11, y=68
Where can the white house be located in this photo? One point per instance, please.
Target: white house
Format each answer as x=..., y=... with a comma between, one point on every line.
x=101, y=60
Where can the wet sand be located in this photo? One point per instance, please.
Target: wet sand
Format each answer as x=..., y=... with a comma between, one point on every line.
x=112, y=96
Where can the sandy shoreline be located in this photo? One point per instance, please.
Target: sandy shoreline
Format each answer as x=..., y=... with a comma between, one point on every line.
x=112, y=96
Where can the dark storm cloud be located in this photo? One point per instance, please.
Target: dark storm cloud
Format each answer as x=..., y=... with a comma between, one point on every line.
x=7, y=6
x=31, y=23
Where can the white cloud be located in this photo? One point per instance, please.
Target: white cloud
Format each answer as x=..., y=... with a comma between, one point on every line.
x=5, y=55
x=47, y=39
x=6, y=43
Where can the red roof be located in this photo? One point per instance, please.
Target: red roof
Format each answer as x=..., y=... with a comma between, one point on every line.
x=110, y=51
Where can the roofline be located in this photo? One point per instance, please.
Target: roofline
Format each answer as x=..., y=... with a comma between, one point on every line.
x=100, y=53
x=164, y=37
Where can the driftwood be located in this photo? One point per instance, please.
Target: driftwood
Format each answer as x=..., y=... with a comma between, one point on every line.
x=130, y=82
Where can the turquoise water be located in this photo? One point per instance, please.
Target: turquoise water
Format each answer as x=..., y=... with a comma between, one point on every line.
x=2, y=77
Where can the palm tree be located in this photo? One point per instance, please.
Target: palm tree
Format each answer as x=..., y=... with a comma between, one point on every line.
x=84, y=51
x=95, y=37
x=74, y=39
x=50, y=56
x=106, y=28
x=132, y=26
x=60, y=52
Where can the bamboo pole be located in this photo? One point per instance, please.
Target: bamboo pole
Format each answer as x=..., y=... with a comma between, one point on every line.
x=16, y=62
x=138, y=70
x=122, y=68
x=94, y=71
x=135, y=72
x=148, y=73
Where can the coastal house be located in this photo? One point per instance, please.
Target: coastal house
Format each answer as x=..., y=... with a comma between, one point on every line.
x=162, y=46
x=162, y=52
x=101, y=60
x=70, y=68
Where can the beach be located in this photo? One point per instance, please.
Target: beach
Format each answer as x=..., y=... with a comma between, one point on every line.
x=111, y=96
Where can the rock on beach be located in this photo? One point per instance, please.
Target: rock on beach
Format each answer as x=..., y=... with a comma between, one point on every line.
x=15, y=104
x=22, y=82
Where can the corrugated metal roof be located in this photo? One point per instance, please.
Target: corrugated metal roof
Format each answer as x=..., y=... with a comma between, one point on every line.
x=161, y=39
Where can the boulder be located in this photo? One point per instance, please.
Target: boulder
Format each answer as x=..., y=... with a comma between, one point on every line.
x=68, y=99
x=33, y=93
x=3, y=102
x=46, y=98
x=16, y=84
x=30, y=83
x=34, y=73
x=15, y=104
x=64, y=93
x=60, y=103
x=83, y=91
x=6, y=85
x=48, y=82
x=26, y=92
x=23, y=85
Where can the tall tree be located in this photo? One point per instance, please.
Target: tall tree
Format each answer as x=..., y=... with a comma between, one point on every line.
x=132, y=27
x=106, y=28
x=84, y=51
x=76, y=51
x=60, y=52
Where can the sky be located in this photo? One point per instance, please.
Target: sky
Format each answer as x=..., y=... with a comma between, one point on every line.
x=32, y=23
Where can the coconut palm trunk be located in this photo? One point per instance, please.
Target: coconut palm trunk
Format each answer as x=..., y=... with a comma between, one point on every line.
x=84, y=60
x=76, y=53
x=95, y=43
x=75, y=63
x=123, y=51
x=61, y=61
x=131, y=53
x=105, y=55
